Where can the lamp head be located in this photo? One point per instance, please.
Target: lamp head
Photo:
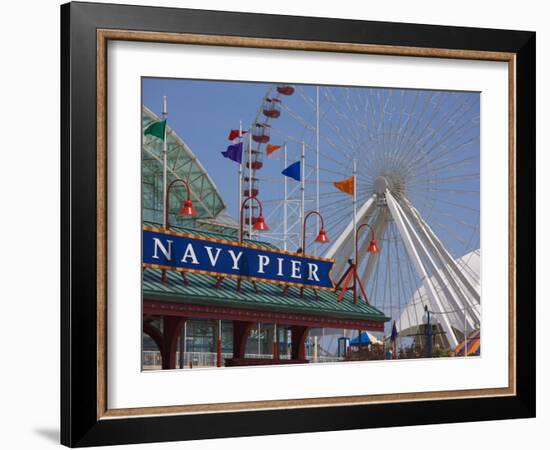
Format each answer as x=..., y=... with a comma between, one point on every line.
x=260, y=224
x=373, y=247
x=322, y=237
x=188, y=209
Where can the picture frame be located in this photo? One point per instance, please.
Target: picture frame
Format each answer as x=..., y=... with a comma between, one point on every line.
x=86, y=418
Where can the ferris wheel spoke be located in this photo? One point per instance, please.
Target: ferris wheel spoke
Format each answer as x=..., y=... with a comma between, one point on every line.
x=405, y=132
x=456, y=220
x=443, y=135
x=393, y=133
x=418, y=123
x=344, y=140
x=447, y=153
x=448, y=179
x=453, y=191
x=438, y=143
x=305, y=123
x=452, y=234
x=347, y=119
x=468, y=160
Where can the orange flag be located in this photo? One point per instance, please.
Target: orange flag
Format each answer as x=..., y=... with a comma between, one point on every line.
x=269, y=148
x=345, y=185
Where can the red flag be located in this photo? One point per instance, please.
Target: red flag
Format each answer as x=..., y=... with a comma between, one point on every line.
x=234, y=134
x=346, y=185
x=270, y=148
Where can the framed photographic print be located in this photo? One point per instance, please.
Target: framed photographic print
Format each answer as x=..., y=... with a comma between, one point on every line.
x=277, y=224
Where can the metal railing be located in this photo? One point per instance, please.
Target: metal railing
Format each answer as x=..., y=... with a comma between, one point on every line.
x=151, y=359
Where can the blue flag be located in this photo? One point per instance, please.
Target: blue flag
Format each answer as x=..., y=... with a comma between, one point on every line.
x=394, y=332
x=293, y=171
x=234, y=152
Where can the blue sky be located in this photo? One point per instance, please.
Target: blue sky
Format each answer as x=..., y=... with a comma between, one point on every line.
x=433, y=128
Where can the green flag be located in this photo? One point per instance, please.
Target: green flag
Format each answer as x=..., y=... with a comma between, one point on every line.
x=156, y=129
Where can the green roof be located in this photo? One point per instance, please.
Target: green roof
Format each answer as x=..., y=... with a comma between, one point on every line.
x=269, y=297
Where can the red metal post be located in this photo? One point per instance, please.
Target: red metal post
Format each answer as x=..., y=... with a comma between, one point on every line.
x=304, y=228
x=219, y=362
x=172, y=330
x=275, y=342
x=355, y=276
x=299, y=335
x=167, y=205
x=243, y=204
x=241, y=330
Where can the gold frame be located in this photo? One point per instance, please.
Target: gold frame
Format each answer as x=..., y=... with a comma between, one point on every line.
x=104, y=35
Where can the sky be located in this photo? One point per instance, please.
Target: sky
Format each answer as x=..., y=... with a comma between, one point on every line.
x=359, y=123
x=202, y=113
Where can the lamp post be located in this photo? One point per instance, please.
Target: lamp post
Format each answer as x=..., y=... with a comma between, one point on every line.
x=186, y=210
x=322, y=236
x=373, y=245
x=350, y=275
x=429, y=329
x=260, y=221
x=259, y=225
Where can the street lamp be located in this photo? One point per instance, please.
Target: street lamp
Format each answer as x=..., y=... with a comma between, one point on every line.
x=429, y=343
x=259, y=225
x=322, y=236
x=373, y=245
x=186, y=210
x=350, y=275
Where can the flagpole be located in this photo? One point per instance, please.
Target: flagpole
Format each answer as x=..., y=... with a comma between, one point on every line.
x=285, y=206
x=355, y=209
x=302, y=185
x=317, y=165
x=395, y=342
x=250, y=183
x=240, y=194
x=165, y=162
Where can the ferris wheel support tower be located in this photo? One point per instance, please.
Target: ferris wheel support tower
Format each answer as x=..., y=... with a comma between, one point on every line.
x=448, y=289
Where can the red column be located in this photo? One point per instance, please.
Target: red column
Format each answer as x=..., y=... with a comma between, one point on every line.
x=172, y=330
x=276, y=342
x=219, y=362
x=241, y=330
x=299, y=334
x=153, y=333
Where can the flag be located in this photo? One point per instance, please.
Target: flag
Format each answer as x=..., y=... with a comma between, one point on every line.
x=293, y=171
x=270, y=148
x=234, y=152
x=346, y=186
x=394, y=332
x=234, y=134
x=156, y=129
x=394, y=340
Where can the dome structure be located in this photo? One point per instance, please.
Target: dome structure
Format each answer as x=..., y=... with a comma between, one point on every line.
x=413, y=317
x=182, y=164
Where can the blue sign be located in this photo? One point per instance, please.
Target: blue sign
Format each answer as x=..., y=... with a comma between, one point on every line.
x=180, y=251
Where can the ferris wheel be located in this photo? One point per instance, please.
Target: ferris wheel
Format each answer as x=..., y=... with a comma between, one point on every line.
x=415, y=159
